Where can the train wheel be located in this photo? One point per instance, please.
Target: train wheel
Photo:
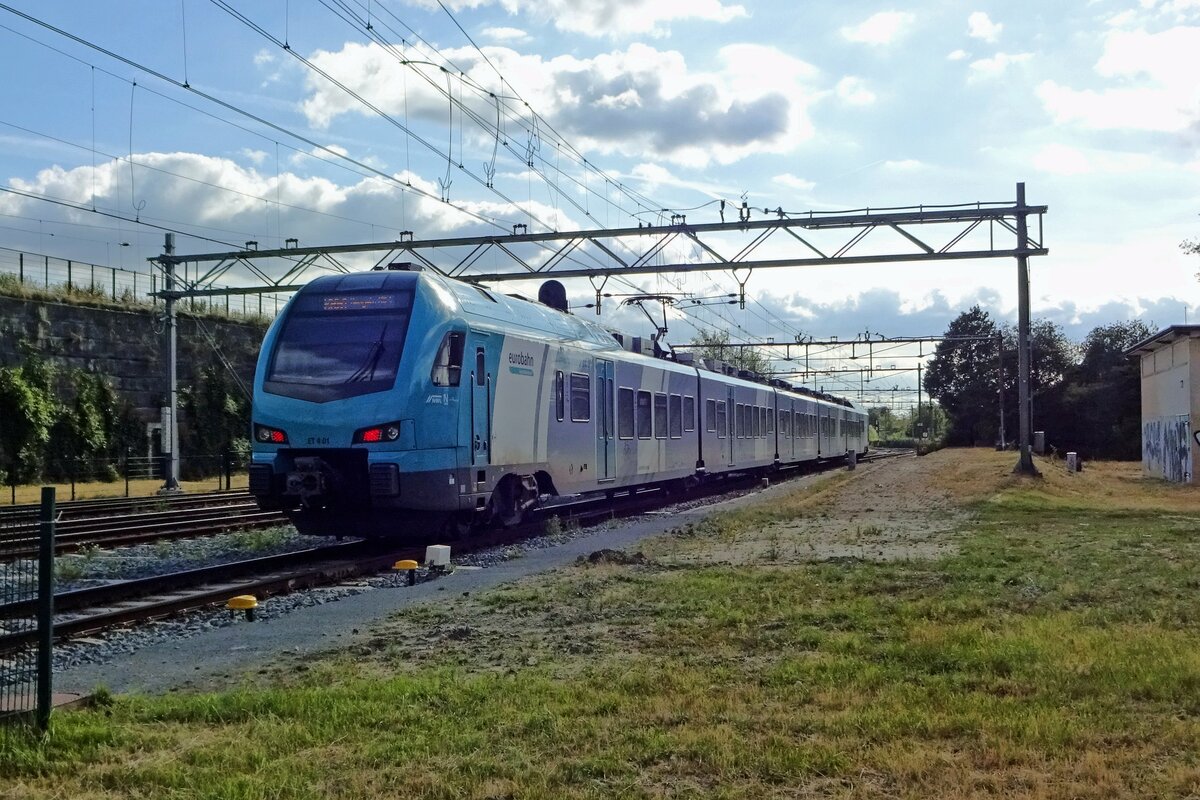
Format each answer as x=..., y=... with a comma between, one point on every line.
x=456, y=527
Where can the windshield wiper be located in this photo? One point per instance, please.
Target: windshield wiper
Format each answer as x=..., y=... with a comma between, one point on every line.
x=367, y=371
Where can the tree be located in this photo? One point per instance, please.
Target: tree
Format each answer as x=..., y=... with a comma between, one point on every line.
x=1103, y=399
x=963, y=377
x=715, y=345
x=1052, y=363
x=218, y=416
x=28, y=409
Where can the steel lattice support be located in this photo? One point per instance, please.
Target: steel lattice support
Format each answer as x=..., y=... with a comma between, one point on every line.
x=796, y=240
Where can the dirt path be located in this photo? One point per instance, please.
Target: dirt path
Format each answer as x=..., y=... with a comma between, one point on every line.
x=890, y=510
x=885, y=511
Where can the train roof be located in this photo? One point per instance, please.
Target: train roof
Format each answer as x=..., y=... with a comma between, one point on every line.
x=513, y=312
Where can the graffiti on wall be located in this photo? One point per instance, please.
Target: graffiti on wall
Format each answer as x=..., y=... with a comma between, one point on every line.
x=1167, y=448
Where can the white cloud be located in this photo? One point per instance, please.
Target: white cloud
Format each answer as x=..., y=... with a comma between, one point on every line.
x=903, y=165
x=995, y=66
x=636, y=102
x=882, y=28
x=1153, y=92
x=264, y=57
x=610, y=17
x=792, y=182
x=655, y=176
x=299, y=158
x=505, y=35
x=980, y=26
x=957, y=55
x=255, y=157
x=853, y=91
x=1060, y=159
x=1179, y=9
x=230, y=199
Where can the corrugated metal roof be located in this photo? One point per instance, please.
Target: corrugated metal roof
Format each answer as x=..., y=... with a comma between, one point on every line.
x=1164, y=338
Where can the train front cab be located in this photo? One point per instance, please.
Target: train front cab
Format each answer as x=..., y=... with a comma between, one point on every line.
x=351, y=429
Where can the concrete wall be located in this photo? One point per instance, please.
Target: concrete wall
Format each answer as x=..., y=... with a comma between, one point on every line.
x=1170, y=409
x=125, y=345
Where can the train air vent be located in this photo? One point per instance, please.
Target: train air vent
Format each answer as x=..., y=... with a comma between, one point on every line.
x=261, y=476
x=400, y=266
x=384, y=480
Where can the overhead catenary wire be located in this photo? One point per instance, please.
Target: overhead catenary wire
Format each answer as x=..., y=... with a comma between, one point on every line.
x=228, y=106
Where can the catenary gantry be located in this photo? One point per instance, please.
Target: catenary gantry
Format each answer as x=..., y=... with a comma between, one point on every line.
x=601, y=254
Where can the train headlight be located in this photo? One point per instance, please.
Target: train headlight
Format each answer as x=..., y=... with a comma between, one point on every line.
x=388, y=432
x=267, y=435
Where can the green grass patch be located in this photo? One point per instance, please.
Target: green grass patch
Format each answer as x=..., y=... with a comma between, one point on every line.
x=1052, y=654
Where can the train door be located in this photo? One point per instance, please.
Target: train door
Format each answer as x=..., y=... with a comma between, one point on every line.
x=606, y=456
x=731, y=416
x=481, y=409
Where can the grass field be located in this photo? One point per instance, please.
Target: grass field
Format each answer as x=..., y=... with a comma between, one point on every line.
x=96, y=490
x=1046, y=647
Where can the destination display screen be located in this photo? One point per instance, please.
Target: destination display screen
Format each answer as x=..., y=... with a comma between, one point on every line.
x=353, y=301
x=383, y=301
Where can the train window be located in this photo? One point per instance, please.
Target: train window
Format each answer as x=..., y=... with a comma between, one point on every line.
x=581, y=397
x=447, y=365
x=710, y=415
x=721, y=421
x=332, y=346
x=785, y=423
x=660, y=415
x=739, y=420
x=560, y=399
x=625, y=413
x=480, y=367
x=675, y=417
x=645, y=427
x=689, y=413
x=756, y=421
x=607, y=391
x=770, y=421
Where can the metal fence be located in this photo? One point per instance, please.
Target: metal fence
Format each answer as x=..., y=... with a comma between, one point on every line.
x=215, y=471
x=26, y=613
x=122, y=285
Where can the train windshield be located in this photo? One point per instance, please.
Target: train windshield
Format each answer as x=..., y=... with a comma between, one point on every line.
x=336, y=345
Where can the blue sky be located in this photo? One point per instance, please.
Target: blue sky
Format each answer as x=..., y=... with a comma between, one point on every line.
x=799, y=105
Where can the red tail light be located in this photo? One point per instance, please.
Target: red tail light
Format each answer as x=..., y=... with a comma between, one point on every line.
x=267, y=435
x=388, y=432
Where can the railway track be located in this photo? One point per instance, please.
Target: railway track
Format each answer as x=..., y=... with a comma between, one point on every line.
x=79, y=531
x=75, y=535
x=93, y=609
x=68, y=509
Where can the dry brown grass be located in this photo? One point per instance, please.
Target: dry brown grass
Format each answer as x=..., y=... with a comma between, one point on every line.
x=97, y=490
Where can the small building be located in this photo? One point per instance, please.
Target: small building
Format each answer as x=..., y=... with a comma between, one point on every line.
x=1170, y=402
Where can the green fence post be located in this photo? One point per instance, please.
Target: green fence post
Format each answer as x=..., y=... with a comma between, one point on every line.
x=45, y=671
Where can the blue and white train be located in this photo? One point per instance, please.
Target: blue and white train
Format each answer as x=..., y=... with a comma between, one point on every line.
x=399, y=397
